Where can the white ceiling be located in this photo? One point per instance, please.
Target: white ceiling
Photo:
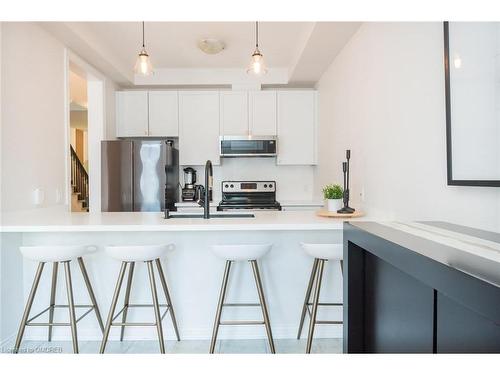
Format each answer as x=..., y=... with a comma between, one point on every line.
x=303, y=49
x=173, y=44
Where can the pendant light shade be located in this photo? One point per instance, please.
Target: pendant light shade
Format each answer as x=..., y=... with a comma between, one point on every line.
x=143, y=64
x=257, y=66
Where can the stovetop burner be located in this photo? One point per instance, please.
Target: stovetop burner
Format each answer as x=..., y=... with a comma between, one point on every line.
x=250, y=195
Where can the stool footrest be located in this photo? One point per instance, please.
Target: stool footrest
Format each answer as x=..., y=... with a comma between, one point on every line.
x=30, y=321
x=241, y=304
x=139, y=324
x=241, y=322
x=329, y=322
x=321, y=304
x=326, y=304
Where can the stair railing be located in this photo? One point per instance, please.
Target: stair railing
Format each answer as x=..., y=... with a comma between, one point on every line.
x=79, y=179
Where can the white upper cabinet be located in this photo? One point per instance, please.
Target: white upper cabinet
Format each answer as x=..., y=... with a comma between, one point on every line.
x=233, y=113
x=198, y=127
x=297, y=127
x=143, y=114
x=198, y=118
x=262, y=112
x=163, y=114
x=131, y=113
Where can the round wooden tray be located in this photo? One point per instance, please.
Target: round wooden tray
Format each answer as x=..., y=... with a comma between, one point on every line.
x=325, y=213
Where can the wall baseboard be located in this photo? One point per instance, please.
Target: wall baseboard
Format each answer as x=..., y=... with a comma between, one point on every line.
x=201, y=333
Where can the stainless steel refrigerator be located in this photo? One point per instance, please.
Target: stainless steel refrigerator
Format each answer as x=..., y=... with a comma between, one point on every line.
x=139, y=175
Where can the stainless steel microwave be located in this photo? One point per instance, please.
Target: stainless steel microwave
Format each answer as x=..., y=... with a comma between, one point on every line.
x=248, y=146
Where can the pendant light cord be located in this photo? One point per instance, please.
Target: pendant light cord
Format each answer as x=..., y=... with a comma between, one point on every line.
x=143, y=34
x=257, y=34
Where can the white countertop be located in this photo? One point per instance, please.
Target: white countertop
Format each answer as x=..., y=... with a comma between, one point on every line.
x=58, y=220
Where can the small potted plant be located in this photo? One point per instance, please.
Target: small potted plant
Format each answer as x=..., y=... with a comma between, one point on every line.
x=333, y=194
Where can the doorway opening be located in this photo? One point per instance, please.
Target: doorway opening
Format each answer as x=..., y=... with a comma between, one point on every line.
x=85, y=122
x=78, y=148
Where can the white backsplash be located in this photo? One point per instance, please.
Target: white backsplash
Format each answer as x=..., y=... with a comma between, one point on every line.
x=292, y=182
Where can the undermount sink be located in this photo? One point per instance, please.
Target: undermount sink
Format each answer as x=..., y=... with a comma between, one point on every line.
x=215, y=216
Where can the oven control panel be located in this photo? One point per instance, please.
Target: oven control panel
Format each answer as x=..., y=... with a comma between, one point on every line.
x=248, y=186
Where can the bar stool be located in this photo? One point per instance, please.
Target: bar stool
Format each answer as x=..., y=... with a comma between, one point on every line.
x=235, y=253
x=321, y=253
x=56, y=255
x=129, y=255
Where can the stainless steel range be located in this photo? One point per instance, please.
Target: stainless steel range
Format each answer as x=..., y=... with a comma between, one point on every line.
x=251, y=195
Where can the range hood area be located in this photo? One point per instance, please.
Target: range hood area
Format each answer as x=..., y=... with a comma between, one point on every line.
x=248, y=146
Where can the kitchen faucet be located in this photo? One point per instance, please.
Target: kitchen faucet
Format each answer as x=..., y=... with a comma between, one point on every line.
x=205, y=191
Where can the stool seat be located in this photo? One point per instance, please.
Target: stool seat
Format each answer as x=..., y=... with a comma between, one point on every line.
x=241, y=252
x=137, y=253
x=58, y=253
x=324, y=251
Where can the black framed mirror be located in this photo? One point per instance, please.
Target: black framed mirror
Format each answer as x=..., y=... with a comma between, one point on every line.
x=472, y=85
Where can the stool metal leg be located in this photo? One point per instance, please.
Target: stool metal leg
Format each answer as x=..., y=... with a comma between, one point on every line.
x=27, y=309
x=167, y=296
x=222, y=297
x=53, y=288
x=263, y=304
x=127, y=298
x=71, y=306
x=307, y=297
x=113, y=307
x=91, y=293
x=342, y=267
x=314, y=312
x=156, y=306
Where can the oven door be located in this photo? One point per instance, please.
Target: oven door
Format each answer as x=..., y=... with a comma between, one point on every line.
x=237, y=146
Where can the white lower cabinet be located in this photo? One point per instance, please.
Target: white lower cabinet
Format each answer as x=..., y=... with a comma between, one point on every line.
x=297, y=117
x=198, y=127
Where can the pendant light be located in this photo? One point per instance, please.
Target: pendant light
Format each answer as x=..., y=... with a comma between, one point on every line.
x=257, y=66
x=143, y=65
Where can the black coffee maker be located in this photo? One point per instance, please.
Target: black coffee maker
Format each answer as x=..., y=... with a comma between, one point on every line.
x=189, y=189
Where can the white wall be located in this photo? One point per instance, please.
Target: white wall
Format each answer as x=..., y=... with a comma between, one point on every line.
x=109, y=102
x=383, y=97
x=33, y=149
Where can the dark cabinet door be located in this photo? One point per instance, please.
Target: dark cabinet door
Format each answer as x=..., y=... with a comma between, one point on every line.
x=399, y=310
x=461, y=330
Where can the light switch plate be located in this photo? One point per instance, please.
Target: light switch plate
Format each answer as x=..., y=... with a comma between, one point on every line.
x=38, y=196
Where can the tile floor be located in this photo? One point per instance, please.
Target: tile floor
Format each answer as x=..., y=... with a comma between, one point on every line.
x=284, y=346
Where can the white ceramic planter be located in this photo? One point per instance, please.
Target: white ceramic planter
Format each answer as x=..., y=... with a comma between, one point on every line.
x=334, y=205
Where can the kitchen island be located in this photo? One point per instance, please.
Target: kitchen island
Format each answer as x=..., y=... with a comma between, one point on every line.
x=194, y=274
x=429, y=287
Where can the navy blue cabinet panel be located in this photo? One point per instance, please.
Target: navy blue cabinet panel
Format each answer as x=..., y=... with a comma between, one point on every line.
x=398, y=310
x=461, y=330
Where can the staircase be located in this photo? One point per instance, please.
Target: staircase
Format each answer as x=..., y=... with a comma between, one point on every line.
x=79, y=183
